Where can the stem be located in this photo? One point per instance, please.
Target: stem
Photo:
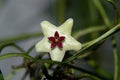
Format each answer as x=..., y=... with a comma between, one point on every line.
x=7, y=55
x=10, y=75
x=8, y=41
x=18, y=47
x=30, y=49
x=85, y=55
x=21, y=37
x=104, y=36
x=84, y=75
x=102, y=12
x=61, y=10
x=81, y=33
x=116, y=12
x=116, y=63
x=114, y=43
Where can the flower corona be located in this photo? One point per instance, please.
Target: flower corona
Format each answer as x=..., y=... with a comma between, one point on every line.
x=56, y=40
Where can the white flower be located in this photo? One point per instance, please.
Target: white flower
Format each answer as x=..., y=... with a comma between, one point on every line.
x=57, y=40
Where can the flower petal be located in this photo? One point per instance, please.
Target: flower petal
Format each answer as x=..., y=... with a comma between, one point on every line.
x=56, y=35
x=48, y=29
x=71, y=44
x=66, y=27
x=57, y=54
x=53, y=45
x=61, y=38
x=43, y=46
x=60, y=45
x=51, y=39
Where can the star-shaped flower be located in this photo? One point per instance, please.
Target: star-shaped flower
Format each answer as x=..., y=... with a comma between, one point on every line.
x=57, y=40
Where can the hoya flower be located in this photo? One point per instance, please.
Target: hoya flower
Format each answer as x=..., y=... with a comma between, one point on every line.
x=57, y=40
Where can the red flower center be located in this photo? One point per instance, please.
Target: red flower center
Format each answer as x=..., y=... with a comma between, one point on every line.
x=56, y=40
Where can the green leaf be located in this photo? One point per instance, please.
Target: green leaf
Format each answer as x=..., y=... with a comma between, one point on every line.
x=1, y=76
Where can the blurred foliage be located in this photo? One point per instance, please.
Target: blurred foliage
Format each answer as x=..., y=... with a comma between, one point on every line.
x=94, y=22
